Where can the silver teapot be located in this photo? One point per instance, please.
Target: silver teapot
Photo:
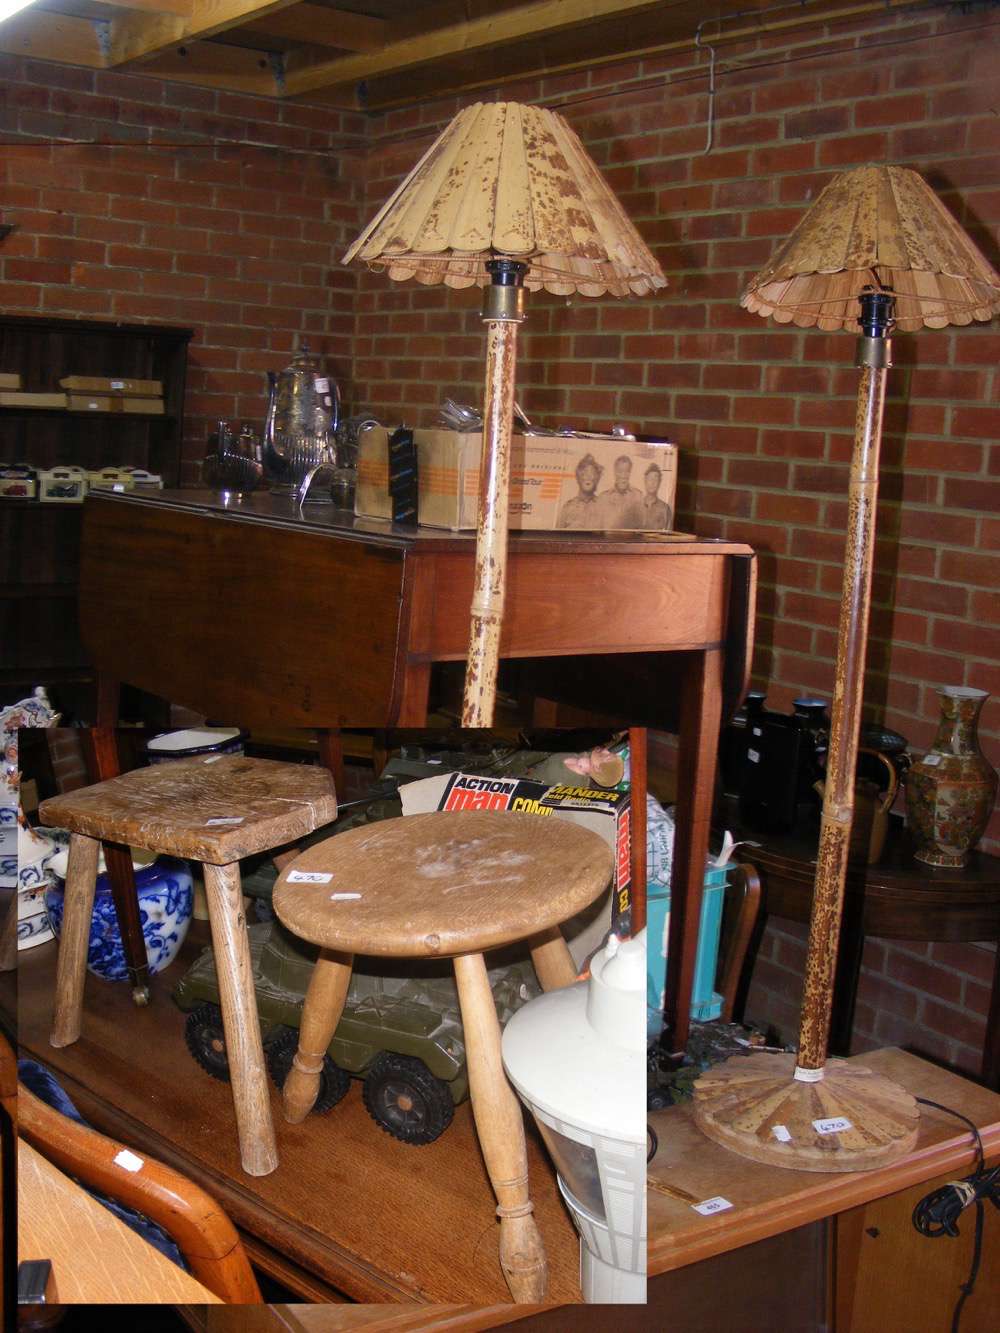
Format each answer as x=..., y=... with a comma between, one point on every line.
x=303, y=412
x=233, y=465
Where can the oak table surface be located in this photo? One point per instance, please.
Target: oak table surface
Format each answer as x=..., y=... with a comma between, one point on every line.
x=96, y=1259
x=766, y=1200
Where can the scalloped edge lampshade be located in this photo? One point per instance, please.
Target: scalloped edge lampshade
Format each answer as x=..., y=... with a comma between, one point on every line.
x=506, y=180
x=884, y=229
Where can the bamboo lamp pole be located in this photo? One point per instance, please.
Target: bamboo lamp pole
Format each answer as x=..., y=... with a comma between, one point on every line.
x=877, y=250
x=508, y=199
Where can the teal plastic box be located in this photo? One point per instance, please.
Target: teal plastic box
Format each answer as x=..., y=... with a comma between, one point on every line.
x=706, y=1002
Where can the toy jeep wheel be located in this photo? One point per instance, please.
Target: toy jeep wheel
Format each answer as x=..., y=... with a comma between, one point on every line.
x=206, y=1040
x=333, y=1081
x=404, y=1097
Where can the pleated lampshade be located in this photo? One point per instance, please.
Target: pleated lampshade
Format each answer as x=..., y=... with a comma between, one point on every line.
x=878, y=228
x=509, y=181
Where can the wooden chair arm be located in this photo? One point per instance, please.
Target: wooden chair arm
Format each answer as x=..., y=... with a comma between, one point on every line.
x=737, y=951
x=8, y=1077
x=206, y=1237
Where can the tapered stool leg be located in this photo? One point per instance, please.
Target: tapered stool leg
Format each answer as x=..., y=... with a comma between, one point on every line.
x=78, y=908
x=240, y=1023
x=553, y=961
x=500, y=1126
x=324, y=1004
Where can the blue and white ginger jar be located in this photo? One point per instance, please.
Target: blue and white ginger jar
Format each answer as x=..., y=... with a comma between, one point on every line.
x=165, y=901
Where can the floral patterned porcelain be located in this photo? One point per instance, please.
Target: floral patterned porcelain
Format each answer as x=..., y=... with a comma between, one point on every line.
x=951, y=790
x=35, y=852
x=165, y=900
x=35, y=711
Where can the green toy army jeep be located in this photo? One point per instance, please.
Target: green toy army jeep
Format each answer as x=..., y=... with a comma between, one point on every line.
x=400, y=1031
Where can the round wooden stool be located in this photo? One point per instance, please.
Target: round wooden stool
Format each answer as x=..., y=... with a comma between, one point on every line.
x=446, y=885
x=213, y=810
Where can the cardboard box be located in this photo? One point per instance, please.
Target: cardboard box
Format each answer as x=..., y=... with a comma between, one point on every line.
x=32, y=400
x=92, y=403
x=605, y=812
x=89, y=384
x=556, y=481
x=110, y=479
x=143, y=407
x=18, y=482
x=9, y=380
x=62, y=485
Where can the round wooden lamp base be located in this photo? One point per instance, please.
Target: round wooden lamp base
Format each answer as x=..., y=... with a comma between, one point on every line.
x=755, y=1106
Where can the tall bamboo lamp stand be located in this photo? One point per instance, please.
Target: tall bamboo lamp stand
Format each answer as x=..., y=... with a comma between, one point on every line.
x=878, y=250
x=508, y=199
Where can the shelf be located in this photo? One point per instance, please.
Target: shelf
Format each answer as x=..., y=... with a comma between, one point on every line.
x=66, y=413
x=33, y=591
x=41, y=615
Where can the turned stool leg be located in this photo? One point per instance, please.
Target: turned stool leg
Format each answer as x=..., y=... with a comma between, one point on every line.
x=321, y=1011
x=553, y=961
x=78, y=908
x=239, y=1019
x=500, y=1126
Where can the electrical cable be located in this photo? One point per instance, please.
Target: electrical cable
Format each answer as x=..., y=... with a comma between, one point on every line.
x=937, y=1213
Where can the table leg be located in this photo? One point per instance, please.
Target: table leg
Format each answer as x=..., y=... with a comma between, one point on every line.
x=240, y=1023
x=553, y=961
x=74, y=941
x=324, y=1004
x=101, y=754
x=701, y=712
x=500, y=1126
x=991, y=1041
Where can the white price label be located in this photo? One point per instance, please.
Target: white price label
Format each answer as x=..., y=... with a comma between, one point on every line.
x=753, y=756
x=710, y=1206
x=322, y=386
x=343, y=897
x=931, y=760
x=781, y=1133
x=836, y=1124
x=308, y=877
x=232, y=819
x=118, y=486
x=118, y=384
x=128, y=1161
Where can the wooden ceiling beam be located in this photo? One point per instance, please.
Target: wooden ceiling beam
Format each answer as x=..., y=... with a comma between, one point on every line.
x=305, y=75
x=215, y=65
x=314, y=25
x=45, y=36
x=182, y=7
x=135, y=37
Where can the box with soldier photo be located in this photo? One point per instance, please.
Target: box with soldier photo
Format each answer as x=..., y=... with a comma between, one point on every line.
x=572, y=482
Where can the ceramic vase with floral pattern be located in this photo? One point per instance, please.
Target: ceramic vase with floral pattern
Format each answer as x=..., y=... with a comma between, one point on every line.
x=951, y=790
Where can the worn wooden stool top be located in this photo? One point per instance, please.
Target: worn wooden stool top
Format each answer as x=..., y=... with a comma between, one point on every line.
x=442, y=884
x=212, y=809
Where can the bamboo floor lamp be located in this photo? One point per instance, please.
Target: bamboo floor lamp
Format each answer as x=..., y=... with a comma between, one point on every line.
x=508, y=199
x=879, y=250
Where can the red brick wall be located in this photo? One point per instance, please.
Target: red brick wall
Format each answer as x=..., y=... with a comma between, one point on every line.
x=187, y=206
x=764, y=415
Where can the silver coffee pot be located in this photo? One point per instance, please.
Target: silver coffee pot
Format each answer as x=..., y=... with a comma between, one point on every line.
x=303, y=412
